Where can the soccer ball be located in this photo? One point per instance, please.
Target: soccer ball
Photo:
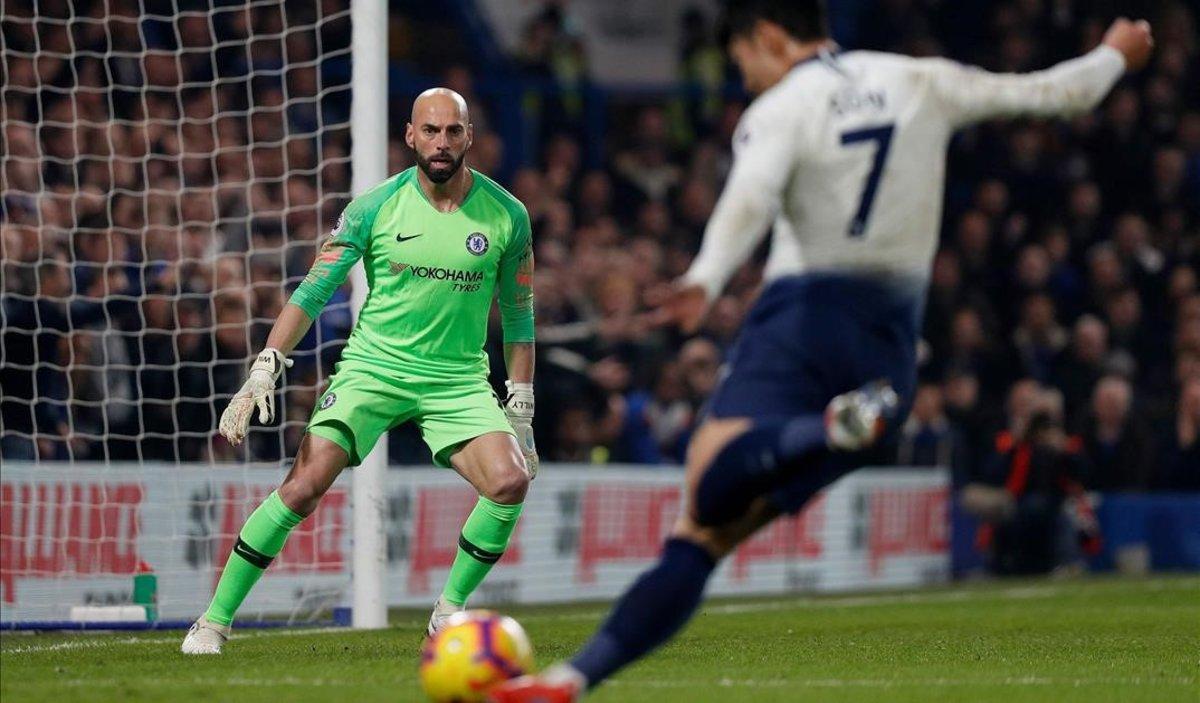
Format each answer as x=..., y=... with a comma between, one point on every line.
x=474, y=650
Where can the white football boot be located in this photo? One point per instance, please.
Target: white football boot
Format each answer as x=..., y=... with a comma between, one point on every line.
x=856, y=420
x=205, y=637
x=442, y=610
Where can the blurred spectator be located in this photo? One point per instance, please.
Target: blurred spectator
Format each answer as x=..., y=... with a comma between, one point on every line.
x=970, y=418
x=1115, y=441
x=973, y=347
x=1180, y=458
x=553, y=53
x=1130, y=333
x=1080, y=365
x=701, y=70
x=927, y=438
x=1038, y=338
x=1028, y=480
x=700, y=361
x=669, y=414
x=645, y=168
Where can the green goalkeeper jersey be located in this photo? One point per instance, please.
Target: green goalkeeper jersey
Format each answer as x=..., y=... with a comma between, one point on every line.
x=431, y=276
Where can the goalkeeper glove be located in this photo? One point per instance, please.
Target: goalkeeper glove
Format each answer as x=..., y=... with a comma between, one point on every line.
x=259, y=390
x=519, y=409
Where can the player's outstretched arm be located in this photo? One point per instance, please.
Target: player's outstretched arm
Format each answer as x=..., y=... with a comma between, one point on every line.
x=333, y=263
x=768, y=144
x=970, y=94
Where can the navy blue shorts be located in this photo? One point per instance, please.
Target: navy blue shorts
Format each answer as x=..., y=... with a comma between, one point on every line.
x=809, y=338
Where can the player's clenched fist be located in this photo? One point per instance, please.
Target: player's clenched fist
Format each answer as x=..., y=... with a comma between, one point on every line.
x=519, y=409
x=1133, y=40
x=258, y=391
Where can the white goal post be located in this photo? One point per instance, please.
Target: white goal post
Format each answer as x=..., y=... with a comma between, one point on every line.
x=368, y=129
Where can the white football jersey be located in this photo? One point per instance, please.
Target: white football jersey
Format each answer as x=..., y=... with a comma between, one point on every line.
x=846, y=155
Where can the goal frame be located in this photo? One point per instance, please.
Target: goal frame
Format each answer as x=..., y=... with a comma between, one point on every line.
x=368, y=165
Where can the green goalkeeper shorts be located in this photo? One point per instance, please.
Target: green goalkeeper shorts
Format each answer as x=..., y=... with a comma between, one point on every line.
x=362, y=403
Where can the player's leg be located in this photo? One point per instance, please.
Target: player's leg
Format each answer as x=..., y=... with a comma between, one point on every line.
x=494, y=466
x=317, y=464
x=805, y=368
x=787, y=405
x=352, y=413
x=741, y=473
x=467, y=430
x=770, y=452
x=663, y=599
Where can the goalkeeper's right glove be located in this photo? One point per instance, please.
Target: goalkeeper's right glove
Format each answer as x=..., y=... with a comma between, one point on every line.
x=258, y=390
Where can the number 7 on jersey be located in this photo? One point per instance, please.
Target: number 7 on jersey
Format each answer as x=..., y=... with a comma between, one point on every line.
x=882, y=136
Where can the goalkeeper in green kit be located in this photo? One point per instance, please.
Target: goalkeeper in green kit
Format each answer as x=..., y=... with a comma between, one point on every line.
x=437, y=241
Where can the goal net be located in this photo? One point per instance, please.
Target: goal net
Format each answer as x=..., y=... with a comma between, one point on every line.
x=167, y=169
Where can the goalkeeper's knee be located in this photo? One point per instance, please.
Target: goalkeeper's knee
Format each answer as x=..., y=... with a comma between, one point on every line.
x=507, y=486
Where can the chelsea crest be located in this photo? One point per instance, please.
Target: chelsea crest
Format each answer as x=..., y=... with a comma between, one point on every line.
x=477, y=243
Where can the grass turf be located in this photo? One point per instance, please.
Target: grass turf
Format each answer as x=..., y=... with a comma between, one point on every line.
x=1061, y=641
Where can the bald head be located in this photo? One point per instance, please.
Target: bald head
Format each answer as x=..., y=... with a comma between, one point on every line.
x=441, y=102
x=439, y=133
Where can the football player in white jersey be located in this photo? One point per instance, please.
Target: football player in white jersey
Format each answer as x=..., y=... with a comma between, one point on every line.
x=844, y=154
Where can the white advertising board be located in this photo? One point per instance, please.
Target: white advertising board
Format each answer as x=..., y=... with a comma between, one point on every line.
x=76, y=535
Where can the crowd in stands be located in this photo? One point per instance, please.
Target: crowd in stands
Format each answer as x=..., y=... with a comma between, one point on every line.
x=153, y=230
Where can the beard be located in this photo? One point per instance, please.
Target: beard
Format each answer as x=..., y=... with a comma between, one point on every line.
x=439, y=171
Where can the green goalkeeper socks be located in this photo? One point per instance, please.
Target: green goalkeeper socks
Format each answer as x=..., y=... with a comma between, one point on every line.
x=484, y=536
x=261, y=539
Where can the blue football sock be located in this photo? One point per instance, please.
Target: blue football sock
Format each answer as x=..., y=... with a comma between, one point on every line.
x=654, y=608
x=754, y=463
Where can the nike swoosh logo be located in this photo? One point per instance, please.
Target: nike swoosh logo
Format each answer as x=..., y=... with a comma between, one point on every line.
x=402, y=238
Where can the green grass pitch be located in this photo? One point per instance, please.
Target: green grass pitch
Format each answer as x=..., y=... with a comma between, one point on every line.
x=1061, y=641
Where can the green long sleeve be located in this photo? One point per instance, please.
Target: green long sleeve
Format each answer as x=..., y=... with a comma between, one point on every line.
x=516, y=285
x=328, y=272
x=347, y=243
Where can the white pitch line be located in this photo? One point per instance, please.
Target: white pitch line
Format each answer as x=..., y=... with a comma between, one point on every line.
x=796, y=603
x=211, y=682
x=82, y=644
x=101, y=643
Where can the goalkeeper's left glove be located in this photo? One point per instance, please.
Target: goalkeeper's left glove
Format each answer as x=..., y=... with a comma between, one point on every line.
x=519, y=409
